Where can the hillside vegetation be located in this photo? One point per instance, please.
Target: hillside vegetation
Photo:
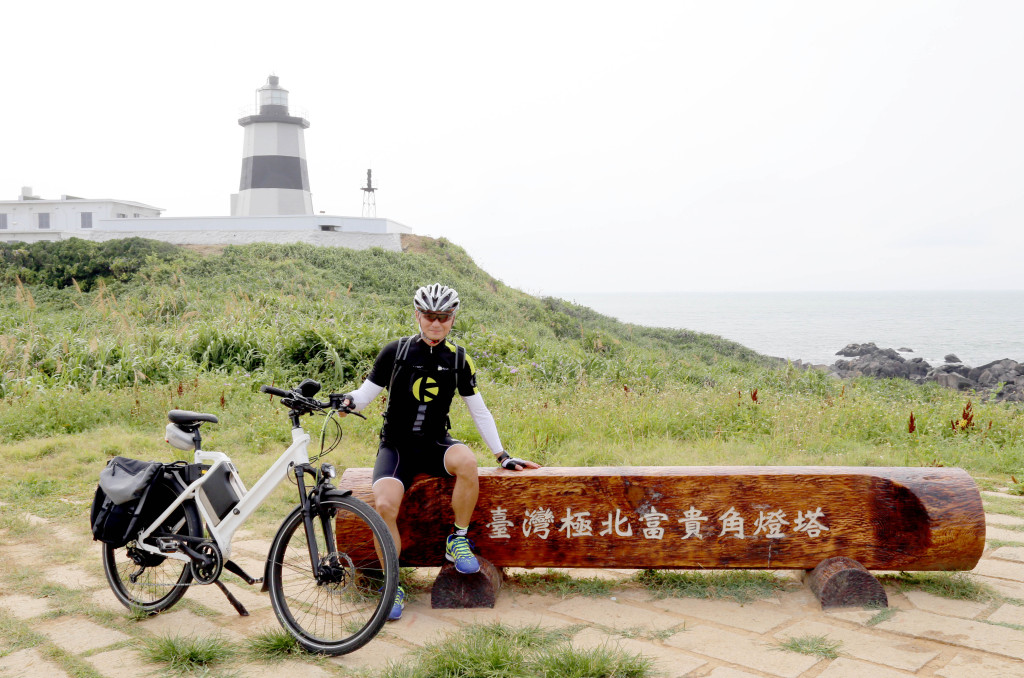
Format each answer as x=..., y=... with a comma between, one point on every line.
x=99, y=340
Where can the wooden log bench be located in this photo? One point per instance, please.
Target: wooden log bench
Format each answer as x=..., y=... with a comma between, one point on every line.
x=833, y=522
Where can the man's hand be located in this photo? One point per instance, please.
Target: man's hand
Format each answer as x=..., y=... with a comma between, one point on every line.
x=512, y=464
x=346, y=405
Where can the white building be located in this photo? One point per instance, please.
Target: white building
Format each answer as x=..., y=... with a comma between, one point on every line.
x=273, y=203
x=31, y=218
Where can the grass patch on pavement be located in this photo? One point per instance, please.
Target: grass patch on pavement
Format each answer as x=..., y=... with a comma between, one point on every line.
x=881, y=616
x=1003, y=505
x=953, y=585
x=743, y=586
x=274, y=645
x=818, y=646
x=558, y=583
x=186, y=654
x=499, y=651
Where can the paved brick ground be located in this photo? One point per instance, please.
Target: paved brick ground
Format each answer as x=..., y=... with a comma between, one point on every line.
x=925, y=636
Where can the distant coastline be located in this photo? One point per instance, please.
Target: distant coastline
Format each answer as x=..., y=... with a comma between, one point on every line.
x=978, y=326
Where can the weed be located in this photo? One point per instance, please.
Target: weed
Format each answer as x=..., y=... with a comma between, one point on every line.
x=955, y=585
x=273, y=645
x=187, y=654
x=881, y=616
x=997, y=543
x=599, y=662
x=499, y=651
x=16, y=635
x=742, y=586
x=557, y=583
x=1004, y=505
x=818, y=646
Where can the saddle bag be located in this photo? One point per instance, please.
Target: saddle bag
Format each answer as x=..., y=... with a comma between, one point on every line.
x=120, y=500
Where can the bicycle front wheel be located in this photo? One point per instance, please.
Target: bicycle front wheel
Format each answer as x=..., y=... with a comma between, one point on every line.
x=148, y=581
x=341, y=604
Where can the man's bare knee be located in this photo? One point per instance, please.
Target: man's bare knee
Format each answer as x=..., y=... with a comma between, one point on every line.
x=387, y=498
x=459, y=461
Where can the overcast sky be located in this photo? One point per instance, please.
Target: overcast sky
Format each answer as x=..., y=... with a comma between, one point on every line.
x=568, y=146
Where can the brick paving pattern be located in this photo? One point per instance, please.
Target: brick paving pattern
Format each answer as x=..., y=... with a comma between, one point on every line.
x=925, y=635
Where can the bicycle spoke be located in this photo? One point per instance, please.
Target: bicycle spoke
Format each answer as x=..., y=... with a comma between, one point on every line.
x=346, y=608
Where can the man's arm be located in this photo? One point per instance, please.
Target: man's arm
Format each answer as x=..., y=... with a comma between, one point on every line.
x=364, y=395
x=484, y=421
x=379, y=375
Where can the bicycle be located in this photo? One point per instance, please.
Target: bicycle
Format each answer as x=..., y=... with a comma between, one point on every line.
x=331, y=591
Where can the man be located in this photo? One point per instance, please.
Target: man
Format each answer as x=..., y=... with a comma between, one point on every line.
x=422, y=374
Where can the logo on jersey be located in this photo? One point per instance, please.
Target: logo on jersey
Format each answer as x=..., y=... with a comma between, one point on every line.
x=424, y=389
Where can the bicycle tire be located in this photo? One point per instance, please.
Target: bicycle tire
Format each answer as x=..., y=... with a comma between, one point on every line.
x=338, y=617
x=146, y=581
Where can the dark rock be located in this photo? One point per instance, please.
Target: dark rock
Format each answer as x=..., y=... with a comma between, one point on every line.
x=1001, y=370
x=856, y=350
x=905, y=350
x=1002, y=380
x=954, y=381
x=917, y=367
x=1011, y=393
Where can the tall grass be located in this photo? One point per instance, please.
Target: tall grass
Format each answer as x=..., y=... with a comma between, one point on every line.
x=89, y=370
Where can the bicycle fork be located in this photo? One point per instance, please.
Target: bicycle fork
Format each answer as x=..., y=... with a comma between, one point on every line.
x=327, y=569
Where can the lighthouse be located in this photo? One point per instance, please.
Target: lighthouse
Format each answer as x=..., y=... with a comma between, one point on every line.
x=274, y=176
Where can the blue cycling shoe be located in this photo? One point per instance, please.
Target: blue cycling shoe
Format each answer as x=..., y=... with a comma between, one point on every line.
x=396, y=609
x=458, y=550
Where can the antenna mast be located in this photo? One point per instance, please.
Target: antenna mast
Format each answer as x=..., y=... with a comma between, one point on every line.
x=369, y=197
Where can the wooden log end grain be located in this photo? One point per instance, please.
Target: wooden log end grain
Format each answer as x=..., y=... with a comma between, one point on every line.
x=843, y=582
x=454, y=590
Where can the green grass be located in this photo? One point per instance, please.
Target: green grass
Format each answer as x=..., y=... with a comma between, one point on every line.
x=1005, y=505
x=558, y=583
x=881, y=616
x=273, y=645
x=499, y=651
x=997, y=543
x=743, y=586
x=599, y=662
x=89, y=371
x=953, y=585
x=817, y=646
x=186, y=654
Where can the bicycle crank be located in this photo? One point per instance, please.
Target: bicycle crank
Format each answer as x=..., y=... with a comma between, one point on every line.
x=207, y=562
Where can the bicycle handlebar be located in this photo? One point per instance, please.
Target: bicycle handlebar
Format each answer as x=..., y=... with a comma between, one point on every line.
x=293, y=399
x=279, y=392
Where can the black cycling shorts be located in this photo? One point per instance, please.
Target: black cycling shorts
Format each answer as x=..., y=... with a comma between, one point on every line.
x=407, y=459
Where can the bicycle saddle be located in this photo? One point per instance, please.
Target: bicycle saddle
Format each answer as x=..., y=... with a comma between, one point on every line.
x=190, y=418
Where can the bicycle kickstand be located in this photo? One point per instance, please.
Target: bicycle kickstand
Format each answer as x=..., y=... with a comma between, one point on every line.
x=235, y=602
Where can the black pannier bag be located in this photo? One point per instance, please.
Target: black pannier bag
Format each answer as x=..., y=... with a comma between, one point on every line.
x=121, y=498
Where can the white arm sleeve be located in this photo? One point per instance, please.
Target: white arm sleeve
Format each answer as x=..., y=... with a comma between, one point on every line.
x=484, y=422
x=365, y=394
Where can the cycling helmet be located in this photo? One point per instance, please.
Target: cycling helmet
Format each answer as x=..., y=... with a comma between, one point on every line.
x=436, y=298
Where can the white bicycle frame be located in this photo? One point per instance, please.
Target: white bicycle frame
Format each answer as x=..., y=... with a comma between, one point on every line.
x=222, y=530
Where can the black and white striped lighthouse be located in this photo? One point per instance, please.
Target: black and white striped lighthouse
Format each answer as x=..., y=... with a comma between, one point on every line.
x=274, y=176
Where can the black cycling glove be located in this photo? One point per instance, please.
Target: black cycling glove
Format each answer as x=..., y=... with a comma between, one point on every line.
x=508, y=462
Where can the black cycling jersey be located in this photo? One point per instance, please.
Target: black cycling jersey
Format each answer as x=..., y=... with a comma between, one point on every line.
x=421, y=387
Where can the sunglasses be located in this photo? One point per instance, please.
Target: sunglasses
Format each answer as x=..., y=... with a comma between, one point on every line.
x=431, y=317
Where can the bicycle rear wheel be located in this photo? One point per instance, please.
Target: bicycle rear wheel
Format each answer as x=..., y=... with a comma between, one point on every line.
x=346, y=608
x=145, y=580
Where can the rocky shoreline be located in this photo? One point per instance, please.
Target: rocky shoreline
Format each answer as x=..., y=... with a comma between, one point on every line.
x=1000, y=380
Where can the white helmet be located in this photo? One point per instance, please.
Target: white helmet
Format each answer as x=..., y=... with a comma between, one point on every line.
x=436, y=298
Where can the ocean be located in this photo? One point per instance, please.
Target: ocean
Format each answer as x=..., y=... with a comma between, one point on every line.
x=977, y=326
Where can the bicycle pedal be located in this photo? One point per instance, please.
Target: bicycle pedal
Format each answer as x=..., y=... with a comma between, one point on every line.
x=167, y=545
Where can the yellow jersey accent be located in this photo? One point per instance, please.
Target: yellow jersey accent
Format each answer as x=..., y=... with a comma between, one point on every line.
x=425, y=389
